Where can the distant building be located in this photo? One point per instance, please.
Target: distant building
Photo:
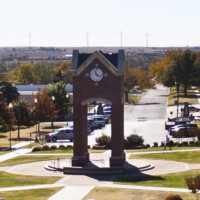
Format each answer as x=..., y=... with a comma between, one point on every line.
x=28, y=91
x=67, y=57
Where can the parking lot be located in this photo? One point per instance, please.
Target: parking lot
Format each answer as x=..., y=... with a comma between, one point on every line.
x=152, y=107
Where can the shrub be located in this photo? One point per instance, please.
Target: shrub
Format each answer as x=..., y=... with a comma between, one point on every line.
x=193, y=184
x=155, y=144
x=185, y=144
x=53, y=147
x=104, y=140
x=45, y=148
x=174, y=197
x=179, y=145
x=192, y=143
x=162, y=144
x=62, y=147
x=147, y=145
x=133, y=141
x=37, y=149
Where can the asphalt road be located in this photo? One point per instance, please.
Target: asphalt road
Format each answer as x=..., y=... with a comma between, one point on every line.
x=153, y=107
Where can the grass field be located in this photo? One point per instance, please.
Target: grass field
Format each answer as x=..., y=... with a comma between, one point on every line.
x=101, y=193
x=25, y=134
x=190, y=98
x=176, y=180
x=27, y=159
x=134, y=98
x=4, y=152
x=11, y=180
x=161, y=149
x=186, y=157
x=36, y=194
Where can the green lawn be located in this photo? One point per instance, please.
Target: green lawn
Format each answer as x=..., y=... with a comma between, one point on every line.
x=187, y=157
x=4, y=152
x=176, y=180
x=190, y=98
x=35, y=194
x=27, y=159
x=161, y=149
x=11, y=180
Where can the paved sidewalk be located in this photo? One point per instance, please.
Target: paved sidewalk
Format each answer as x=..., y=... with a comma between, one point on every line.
x=72, y=193
x=21, y=144
x=14, y=154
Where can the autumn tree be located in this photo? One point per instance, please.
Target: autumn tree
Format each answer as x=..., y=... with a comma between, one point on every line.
x=63, y=72
x=175, y=68
x=136, y=77
x=43, y=73
x=6, y=115
x=9, y=92
x=58, y=91
x=44, y=108
x=26, y=73
x=22, y=114
x=129, y=80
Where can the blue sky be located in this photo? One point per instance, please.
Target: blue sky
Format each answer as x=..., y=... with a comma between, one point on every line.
x=64, y=22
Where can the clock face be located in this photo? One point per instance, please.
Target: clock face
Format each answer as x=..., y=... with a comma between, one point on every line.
x=96, y=74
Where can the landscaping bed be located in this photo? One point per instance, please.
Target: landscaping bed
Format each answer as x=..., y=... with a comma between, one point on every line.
x=105, y=193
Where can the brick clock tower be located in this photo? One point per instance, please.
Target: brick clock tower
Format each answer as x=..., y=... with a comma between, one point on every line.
x=98, y=77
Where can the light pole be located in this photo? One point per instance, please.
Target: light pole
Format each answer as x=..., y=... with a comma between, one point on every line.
x=10, y=106
x=67, y=96
x=178, y=87
x=52, y=125
x=35, y=102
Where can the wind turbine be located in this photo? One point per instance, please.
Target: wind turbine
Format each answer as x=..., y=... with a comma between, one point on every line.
x=87, y=38
x=121, y=38
x=30, y=38
x=147, y=38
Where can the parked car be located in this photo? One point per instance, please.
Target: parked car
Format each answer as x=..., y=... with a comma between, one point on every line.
x=89, y=130
x=196, y=118
x=178, y=127
x=193, y=109
x=107, y=112
x=65, y=133
x=99, y=120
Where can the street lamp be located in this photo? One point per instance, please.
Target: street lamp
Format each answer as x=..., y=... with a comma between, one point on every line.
x=177, y=103
x=36, y=101
x=10, y=106
x=52, y=126
x=67, y=96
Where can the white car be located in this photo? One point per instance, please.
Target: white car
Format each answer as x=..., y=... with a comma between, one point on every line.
x=99, y=120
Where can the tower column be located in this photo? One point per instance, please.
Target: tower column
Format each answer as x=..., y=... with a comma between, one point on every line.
x=80, y=153
x=117, y=158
